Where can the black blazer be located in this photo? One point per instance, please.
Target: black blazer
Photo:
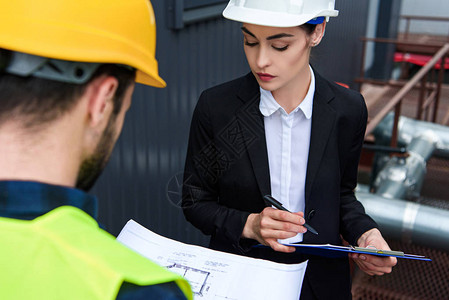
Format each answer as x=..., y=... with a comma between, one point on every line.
x=227, y=173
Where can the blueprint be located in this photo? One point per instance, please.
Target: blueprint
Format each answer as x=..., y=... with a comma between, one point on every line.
x=217, y=275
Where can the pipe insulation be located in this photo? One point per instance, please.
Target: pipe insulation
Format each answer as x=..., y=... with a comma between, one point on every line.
x=409, y=128
x=402, y=177
x=408, y=221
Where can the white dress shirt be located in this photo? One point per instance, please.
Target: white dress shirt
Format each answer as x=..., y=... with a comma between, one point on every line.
x=288, y=140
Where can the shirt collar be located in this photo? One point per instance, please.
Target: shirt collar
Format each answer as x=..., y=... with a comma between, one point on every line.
x=28, y=200
x=268, y=105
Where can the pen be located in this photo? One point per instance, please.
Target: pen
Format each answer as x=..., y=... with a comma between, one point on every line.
x=278, y=205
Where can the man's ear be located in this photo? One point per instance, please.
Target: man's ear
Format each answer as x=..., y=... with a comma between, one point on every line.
x=100, y=95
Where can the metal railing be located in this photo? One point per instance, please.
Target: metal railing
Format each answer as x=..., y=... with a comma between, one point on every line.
x=419, y=80
x=410, y=18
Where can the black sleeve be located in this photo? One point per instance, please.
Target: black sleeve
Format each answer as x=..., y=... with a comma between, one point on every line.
x=354, y=221
x=164, y=291
x=201, y=188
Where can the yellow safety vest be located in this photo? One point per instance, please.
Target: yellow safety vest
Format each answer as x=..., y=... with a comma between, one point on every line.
x=65, y=255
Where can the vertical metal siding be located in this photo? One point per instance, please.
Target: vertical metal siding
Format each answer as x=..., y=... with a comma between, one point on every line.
x=338, y=57
x=152, y=146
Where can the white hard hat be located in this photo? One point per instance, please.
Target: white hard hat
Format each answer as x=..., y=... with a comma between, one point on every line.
x=280, y=13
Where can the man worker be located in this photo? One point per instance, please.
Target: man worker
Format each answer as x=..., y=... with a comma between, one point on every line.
x=67, y=72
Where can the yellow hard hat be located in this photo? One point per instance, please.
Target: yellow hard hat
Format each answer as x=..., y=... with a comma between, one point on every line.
x=96, y=31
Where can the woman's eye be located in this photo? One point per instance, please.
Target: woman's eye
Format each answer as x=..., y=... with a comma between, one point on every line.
x=250, y=44
x=280, y=48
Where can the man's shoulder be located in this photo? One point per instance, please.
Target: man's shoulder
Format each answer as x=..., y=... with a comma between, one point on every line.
x=81, y=247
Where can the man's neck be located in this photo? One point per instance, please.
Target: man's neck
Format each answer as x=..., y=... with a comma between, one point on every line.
x=37, y=155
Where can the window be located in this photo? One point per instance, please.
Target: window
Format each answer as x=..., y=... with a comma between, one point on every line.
x=184, y=12
x=189, y=4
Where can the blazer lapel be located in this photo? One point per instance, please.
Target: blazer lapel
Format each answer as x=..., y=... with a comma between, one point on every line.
x=323, y=118
x=253, y=132
x=252, y=125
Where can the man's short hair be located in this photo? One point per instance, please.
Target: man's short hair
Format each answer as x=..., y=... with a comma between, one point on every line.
x=36, y=101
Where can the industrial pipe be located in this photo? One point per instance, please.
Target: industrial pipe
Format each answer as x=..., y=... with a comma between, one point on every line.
x=410, y=128
x=402, y=177
x=408, y=221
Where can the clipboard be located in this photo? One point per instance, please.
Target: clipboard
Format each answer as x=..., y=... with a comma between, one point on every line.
x=329, y=250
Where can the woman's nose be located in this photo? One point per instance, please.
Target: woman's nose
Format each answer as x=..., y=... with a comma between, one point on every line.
x=263, y=58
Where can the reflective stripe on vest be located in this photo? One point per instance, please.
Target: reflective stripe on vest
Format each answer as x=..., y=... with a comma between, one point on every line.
x=65, y=255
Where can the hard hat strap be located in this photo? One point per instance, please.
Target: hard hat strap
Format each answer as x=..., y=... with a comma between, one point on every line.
x=24, y=65
x=317, y=20
x=5, y=57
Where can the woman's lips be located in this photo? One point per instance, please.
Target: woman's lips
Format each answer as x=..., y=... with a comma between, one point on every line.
x=265, y=76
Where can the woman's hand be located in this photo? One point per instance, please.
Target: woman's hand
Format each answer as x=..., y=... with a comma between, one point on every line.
x=371, y=264
x=273, y=224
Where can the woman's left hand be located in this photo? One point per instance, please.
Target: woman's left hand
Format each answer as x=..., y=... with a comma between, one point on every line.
x=372, y=264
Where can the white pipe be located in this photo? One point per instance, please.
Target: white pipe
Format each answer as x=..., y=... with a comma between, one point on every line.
x=408, y=221
x=402, y=177
x=410, y=128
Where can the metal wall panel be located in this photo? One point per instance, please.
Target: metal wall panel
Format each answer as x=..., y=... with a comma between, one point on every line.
x=338, y=57
x=140, y=179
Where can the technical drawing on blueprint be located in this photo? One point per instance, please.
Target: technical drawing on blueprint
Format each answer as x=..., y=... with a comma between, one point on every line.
x=216, y=275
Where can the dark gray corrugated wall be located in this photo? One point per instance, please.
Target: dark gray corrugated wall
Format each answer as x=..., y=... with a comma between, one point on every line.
x=338, y=57
x=140, y=179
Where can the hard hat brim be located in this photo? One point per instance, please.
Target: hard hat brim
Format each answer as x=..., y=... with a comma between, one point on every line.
x=153, y=80
x=269, y=18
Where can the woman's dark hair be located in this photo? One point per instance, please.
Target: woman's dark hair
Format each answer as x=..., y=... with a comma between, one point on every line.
x=308, y=28
x=37, y=101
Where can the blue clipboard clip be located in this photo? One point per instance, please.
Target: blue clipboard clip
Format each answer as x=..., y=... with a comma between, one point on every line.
x=329, y=250
x=374, y=251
